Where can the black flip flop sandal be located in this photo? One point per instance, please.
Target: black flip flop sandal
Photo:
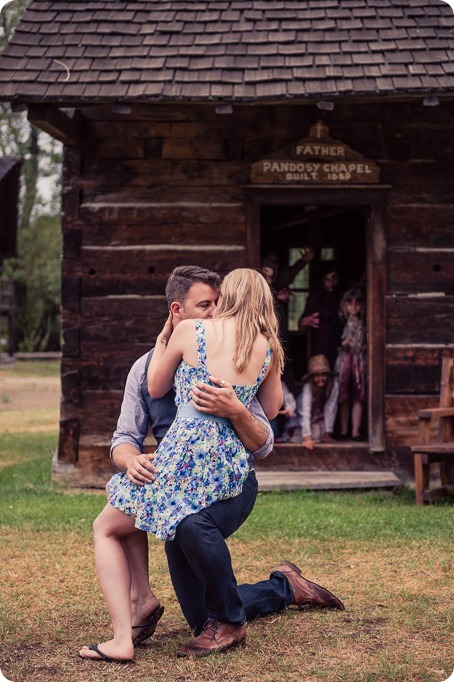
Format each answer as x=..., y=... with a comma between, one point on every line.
x=149, y=627
x=104, y=657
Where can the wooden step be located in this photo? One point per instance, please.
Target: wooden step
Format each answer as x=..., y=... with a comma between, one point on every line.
x=324, y=480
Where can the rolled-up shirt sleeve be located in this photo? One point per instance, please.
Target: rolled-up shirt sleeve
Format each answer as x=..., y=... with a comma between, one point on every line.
x=134, y=419
x=256, y=410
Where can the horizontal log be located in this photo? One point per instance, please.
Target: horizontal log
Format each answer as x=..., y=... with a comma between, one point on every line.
x=419, y=320
x=101, y=372
x=134, y=213
x=419, y=225
x=428, y=174
x=418, y=183
x=341, y=456
x=413, y=270
x=138, y=273
x=171, y=232
x=194, y=148
x=419, y=194
x=401, y=422
x=114, y=345
x=413, y=370
x=97, y=411
x=122, y=146
x=151, y=172
x=155, y=112
x=200, y=122
x=421, y=143
x=110, y=347
x=136, y=224
x=123, y=308
x=93, y=193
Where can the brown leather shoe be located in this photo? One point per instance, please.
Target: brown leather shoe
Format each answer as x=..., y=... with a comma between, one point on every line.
x=215, y=637
x=306, y=592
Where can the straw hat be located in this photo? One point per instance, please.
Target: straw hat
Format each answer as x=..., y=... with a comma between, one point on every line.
x=318, y=364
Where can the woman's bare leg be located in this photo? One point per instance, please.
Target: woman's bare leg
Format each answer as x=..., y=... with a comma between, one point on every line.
x=111, y=528
x=143, y=601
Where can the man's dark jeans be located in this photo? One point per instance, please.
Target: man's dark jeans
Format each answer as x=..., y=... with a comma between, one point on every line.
x=201, y=568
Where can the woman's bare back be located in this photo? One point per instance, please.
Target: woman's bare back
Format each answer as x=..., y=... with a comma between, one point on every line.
x=220, y=348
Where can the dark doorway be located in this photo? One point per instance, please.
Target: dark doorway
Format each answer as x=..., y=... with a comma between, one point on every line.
x=351, y=221
x=334, y=232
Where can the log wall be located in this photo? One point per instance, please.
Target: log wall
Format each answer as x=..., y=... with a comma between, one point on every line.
x=164, y=186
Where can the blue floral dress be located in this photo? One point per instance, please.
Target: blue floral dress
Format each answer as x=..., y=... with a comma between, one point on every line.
x=200, y=461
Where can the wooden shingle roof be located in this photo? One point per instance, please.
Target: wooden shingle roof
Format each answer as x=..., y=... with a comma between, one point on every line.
x=239, y=50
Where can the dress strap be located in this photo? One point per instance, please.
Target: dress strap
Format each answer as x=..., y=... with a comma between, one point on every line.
x=201, y=344
x=266, y=362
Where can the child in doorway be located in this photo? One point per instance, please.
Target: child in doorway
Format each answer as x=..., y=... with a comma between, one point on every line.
x=351, y=363
x=317, y=402
x=287, y=414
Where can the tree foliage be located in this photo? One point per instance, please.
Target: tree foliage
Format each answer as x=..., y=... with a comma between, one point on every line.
x=37, y=278
x=9, y=18
x=36, y=270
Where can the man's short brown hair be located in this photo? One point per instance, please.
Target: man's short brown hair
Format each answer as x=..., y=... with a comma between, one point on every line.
x=182, y=279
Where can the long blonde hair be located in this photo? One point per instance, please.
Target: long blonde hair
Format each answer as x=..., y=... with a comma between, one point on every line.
x=246, y=296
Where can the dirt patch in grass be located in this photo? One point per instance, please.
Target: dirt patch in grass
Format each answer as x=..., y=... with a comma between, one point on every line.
x=28, y=404
x=28, y=393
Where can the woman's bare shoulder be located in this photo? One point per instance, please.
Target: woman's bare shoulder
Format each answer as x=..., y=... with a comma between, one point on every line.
x=184, y=327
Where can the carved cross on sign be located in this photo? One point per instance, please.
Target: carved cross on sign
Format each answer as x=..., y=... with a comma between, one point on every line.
x=320, y=130
x=317, y=159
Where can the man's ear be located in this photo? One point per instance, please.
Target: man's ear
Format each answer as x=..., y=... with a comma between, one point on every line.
x=175, y=309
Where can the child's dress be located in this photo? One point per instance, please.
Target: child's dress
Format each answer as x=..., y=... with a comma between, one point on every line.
x=351, y=362
x=201, y=460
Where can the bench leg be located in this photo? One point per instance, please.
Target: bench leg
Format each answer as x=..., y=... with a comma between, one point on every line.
x=447, y=471
x=422, y=478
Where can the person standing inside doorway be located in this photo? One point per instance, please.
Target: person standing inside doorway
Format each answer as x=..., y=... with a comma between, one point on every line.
x=320, y=315
x=351, y=363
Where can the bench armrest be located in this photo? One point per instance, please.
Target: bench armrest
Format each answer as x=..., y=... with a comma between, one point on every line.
x=435, y=412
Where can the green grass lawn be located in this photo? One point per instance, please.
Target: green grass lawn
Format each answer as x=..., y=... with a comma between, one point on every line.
x=387, y=559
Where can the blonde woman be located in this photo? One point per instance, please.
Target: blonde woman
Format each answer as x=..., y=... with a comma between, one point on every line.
x=200, y=460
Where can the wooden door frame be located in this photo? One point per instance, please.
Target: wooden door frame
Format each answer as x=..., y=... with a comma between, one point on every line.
x=374, y=199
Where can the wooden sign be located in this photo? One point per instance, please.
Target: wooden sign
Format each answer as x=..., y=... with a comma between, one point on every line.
x=317, y=159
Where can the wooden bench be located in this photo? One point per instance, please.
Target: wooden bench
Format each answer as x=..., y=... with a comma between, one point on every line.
x=441, y=450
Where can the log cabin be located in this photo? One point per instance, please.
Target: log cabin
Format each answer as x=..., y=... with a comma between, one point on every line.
x=212, y=132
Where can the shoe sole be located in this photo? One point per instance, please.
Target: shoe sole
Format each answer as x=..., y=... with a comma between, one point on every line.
x=208, y=652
